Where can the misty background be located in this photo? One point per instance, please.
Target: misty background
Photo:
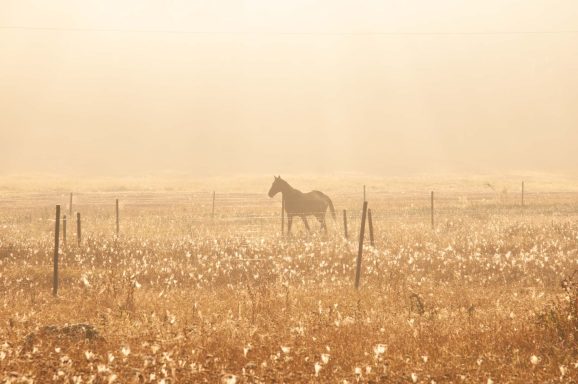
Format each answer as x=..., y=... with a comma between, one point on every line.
x=222, y=87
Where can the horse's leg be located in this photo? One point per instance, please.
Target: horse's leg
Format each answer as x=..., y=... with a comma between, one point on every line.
x=323, y=224
x=304, y=218
x=321, y=219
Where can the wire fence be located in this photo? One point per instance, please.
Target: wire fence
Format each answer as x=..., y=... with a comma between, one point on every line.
x=176, y=213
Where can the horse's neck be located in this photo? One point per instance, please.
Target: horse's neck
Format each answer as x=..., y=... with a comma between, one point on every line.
x=288, y=190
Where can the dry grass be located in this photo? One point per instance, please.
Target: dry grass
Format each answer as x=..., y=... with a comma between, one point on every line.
x=487, y=297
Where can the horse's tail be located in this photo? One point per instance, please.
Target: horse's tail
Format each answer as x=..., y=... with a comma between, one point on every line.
x=330, y=203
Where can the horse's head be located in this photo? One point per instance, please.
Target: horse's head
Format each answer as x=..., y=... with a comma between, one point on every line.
x=276, y=186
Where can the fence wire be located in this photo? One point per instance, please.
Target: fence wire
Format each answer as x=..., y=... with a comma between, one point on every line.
x=157, y=214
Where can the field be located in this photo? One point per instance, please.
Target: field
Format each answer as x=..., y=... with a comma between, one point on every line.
x=488, y=296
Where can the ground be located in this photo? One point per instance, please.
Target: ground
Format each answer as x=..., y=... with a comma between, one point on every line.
x=182, y=295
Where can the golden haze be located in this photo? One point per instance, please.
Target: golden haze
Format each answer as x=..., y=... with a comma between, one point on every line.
x=109, y=87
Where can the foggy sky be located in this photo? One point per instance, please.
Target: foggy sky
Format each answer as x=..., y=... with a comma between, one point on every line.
x=223, y=86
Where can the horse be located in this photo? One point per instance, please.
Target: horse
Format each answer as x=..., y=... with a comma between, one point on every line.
x=301, y=204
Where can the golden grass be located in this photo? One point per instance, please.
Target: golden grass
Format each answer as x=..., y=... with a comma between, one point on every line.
x=179, y=298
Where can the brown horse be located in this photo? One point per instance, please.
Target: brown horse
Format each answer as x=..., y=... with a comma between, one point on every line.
x=301, y=204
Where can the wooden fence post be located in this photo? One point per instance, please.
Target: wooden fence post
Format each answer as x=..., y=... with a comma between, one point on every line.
x=345, y=224
x=56, y=249
x=282, y=215
x=432, y=210
x=64, y=230
x=213, y=211
x=117, y=219
x=370, y=228
x=360, y=250
x=70, y=206
x=78, y=232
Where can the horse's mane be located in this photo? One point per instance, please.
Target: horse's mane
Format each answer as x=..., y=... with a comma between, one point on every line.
x=286, y=184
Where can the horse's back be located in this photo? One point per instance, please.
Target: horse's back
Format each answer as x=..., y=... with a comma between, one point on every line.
x=317, y=195
x=307, y=203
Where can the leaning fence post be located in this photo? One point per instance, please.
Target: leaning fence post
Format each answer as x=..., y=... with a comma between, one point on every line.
x=432, y=210
x=78, y=233
x=360, y=250
x=56, y=249
x=370, y=228
x=345, y=223
x=117, y=219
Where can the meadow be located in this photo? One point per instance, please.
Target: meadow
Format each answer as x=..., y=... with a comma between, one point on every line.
x=490, y=295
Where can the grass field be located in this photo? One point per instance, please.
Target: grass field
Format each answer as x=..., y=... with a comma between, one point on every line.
x=489, y=295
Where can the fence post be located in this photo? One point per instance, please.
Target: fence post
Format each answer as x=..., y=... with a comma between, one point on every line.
x=432, y=210
x=282, y=214
x=360, y=250
x=522, y=193
x=70, y=206
x=117, y=219
x=64, y=230
x=56, y=249
x=370, y=228
x=345, y=224
x=78, y=233
x=213, y=211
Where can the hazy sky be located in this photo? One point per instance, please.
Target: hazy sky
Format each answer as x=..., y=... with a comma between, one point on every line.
x=222, y=86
